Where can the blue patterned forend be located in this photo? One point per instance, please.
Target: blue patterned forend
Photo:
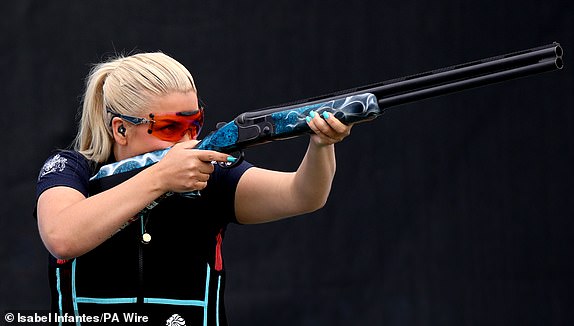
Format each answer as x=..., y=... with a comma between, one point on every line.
x=349, y=110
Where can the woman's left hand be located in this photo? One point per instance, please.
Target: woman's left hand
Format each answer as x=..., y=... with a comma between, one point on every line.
x=328, y=129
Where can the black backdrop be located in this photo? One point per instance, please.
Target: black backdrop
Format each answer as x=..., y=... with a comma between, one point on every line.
x=451, y=211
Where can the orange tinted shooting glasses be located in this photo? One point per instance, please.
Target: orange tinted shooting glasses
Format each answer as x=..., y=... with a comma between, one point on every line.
x=170, y=126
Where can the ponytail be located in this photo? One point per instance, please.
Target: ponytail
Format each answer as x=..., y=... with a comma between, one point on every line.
x=124, y=85
x=94, y=138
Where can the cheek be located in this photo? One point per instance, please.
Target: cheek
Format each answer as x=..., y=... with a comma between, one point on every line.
x=154, y=144
x=144, y=142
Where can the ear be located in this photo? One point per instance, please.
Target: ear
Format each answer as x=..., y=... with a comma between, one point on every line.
x=120, y=139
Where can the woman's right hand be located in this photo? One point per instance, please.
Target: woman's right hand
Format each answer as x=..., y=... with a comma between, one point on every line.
x=184, y=169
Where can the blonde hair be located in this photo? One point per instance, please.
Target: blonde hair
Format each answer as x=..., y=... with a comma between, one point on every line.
x=124, y=85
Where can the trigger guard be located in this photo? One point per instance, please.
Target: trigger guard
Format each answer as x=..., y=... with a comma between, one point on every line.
x=229, y=165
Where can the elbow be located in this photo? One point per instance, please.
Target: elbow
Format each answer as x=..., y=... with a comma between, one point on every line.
x=320, y=203
x=311, y=199
x=59, y=247
x=60, y=250
x=314, y=204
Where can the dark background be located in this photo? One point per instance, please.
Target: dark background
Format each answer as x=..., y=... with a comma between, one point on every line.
x=451, y=211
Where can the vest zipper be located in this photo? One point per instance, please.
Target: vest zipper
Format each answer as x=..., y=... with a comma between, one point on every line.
x=141, y=245
x=141, y=276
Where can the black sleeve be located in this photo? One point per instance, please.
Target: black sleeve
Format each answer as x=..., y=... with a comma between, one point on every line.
x=65, y=168
x=221, y=188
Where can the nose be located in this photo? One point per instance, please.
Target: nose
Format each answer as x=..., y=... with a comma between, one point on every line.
x=188, y=135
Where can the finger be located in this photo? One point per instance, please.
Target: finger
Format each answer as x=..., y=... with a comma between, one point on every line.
x=322, y=128
x=202, y=177
x=213, y=156
x=206, y=168
x=320, y=136
x=341, y=130
x=335, y=123
x=311, y=123
x=200, y=185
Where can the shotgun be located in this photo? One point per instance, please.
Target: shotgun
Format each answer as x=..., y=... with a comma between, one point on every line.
x=350, y=106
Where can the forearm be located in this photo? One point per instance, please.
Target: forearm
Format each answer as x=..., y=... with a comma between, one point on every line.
x=264, y=195
x=314, y=177
x=78, y=224
x=312, y=182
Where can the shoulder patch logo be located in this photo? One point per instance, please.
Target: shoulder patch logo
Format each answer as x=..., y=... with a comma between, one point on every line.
x=55, y=164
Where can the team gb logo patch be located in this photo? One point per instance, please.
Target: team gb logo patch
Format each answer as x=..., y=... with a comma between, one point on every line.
x=55, y=164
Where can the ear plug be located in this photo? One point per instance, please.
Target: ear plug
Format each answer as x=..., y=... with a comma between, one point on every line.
x=122, y=130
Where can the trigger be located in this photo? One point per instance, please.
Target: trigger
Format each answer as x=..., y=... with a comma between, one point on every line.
x=229, y=165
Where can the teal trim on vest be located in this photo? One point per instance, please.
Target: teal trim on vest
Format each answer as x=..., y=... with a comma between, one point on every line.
x=59, y=287
x=207, y=277
x=106, y=300
x=176, y=302
x=198, y=303
x=217, y=301
x=74, y=291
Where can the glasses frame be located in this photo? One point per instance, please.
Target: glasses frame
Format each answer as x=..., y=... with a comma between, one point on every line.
x=138, y=120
